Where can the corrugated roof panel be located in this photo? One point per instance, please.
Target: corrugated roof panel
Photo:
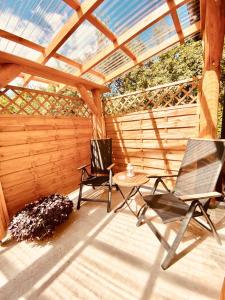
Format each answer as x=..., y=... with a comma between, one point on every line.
x=18, y=81
x=84, y=43
x=60, y=65
x=112, y=62
x=91, y=77
x=153, y=36
x=36, y=85
x=17, y=49
x=35, y=20
x=121, y=15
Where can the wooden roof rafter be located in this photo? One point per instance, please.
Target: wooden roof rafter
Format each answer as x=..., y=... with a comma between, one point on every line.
x=176, y=21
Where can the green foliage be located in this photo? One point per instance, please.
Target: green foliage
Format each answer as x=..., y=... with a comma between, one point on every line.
x=182, y=62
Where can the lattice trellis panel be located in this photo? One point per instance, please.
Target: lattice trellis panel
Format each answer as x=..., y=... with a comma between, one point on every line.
x=17, y=100
x=175, y=94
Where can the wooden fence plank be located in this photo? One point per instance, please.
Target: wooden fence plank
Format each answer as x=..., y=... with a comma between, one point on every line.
x=153, y=141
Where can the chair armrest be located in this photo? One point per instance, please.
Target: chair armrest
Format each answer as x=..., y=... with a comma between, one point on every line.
x=162, y=176
x=200, y=196
x=83, y=167
x=110, y=167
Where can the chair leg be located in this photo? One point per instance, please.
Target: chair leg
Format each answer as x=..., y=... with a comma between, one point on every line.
x=209, y=221
x=80, y=196
x=109, y=199
x=172, y=251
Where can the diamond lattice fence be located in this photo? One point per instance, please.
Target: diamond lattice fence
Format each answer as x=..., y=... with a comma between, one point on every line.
x=162, y=96
x=17, y=100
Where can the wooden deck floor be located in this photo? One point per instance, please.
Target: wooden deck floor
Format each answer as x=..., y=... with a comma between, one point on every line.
x=105, y=256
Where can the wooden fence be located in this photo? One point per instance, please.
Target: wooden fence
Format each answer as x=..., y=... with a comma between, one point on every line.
x=154, y=140
x=39, y=155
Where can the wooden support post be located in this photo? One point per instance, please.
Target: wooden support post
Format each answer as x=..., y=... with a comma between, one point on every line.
x=213, y=30
x=99, y=131
x=4, y=216
x=8, y=72
x=213, y=12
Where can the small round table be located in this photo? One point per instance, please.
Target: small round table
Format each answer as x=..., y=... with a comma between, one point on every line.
x=135, y=182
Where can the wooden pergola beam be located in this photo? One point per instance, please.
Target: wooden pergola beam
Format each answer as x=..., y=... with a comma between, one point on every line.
x=39, y=70
x=138, y=28
x=154, y=51
x=176, y=21
x=8, y=72
x=19, y=40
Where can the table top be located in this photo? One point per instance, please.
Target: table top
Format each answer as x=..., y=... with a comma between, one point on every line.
x=136, y=180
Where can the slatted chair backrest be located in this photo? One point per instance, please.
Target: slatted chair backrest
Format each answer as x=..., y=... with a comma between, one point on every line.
x=101, y=155
x=201, y=166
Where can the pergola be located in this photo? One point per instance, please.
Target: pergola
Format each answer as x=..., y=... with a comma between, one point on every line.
x=83, y=45
x=86, y=44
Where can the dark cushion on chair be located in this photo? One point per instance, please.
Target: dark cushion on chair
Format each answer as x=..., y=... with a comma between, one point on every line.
x=167, y=206
x=96, y=180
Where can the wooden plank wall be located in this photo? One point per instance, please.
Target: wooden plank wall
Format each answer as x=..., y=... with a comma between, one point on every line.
x=39, y=155
x=153, y=140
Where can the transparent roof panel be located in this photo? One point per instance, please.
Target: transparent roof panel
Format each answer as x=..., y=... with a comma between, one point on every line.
x=91, y=77
x=189, y=13
x=112, y=62
x=35, y=20
x=121, y=15
x=19, y=50
x=153, y=36
x=36, y=85
x=18, y=81
x=60, y=65
x=84, y=43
